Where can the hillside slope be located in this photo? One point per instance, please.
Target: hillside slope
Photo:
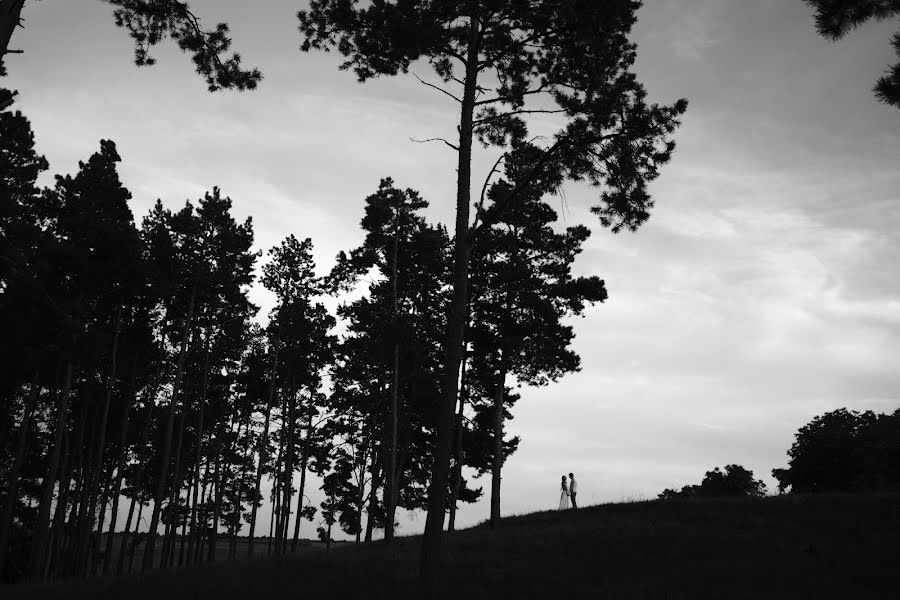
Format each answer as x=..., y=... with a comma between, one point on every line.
x=783, y=547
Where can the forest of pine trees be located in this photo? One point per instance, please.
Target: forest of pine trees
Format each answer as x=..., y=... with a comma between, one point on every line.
x=150, y=410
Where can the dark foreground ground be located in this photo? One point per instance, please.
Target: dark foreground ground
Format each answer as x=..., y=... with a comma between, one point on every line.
x=844, y=547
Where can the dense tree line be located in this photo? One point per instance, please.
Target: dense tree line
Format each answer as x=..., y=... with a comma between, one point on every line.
x=141, y=387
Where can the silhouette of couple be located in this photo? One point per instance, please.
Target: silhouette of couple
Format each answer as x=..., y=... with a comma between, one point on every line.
x=567, y=493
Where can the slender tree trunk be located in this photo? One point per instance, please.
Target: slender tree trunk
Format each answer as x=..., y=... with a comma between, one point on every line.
x=71, y=484
x=288, y=487
x=96, y=465
x=264, y=446
x=58, y=529
x=133, y=547
x=239, y=499
x=306, y=446
x=120, y=469
x=275, y=498
x=217, y=491
x=145, y=436
x=167, y=440
x=198, y=450
x=174, y=496
x=390, y=488
x=197, y=558
x=497, y=463
x=39, y=552
x=373, y=495
x=437, y=488
x=12, y=495
x=456, y=482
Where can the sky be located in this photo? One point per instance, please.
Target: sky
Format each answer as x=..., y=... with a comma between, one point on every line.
x=762, y=292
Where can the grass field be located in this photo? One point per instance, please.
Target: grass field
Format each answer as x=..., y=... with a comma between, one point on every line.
x=845, y=546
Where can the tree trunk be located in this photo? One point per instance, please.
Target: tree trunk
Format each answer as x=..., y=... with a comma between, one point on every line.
x=264, y=446
x=58, y=529
x=217, y=491
x=288, y=486
x=238, y=501
x=96, y=467
x=133, y=548
x=12, y=494
x=437, y=488
x=498, y=445
x=456, y=482
x=39, y=552
x=390, y=488
x=373, y=494
x=306, y=447
x=195, y=534
x=145, y=436
x=120, y=469
x=275, y=498
x=167, y=440
x=174, y=497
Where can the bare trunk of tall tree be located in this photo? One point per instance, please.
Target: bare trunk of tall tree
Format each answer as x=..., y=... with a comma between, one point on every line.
x=239, y=499
x=174, y=496
x=456, y=480
x=145, y=436
x=195, y=534
x=390, y=487
x=39, y=551
x=167, y=440
x=303, y=464
x=96, y=457
x=58, y=528
x=120, y=469
x=275, y=498
x=217, y=502
x=264, y=445
x=437, y=488
x=497, y=463
x=375, y=477
x=288, y=472
x=12, y=494
x=197, y=557
x=133, y=547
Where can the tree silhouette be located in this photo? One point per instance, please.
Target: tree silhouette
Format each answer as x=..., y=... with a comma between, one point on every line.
x=511, y=60
x=392, y=346
x=844, y=450
x=735, y=480
x=837, y=18
x=149, y=22
x=522, y=287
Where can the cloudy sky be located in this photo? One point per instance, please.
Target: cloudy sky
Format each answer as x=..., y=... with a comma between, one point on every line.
x=762, y=292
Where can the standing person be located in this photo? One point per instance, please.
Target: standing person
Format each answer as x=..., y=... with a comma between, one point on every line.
x=573, y=490
x=563, y=494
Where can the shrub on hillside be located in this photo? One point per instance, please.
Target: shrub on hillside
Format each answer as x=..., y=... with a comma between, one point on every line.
x=734, y=481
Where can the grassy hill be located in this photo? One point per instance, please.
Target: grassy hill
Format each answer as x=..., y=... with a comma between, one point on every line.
x=845, y=546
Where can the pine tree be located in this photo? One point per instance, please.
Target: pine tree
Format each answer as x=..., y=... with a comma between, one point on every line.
x=512, y=59
x=148, y=22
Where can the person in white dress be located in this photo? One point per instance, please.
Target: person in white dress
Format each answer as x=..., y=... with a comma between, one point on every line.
x=564, y=494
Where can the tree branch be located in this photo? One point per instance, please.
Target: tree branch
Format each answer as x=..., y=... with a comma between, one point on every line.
x=437, y=139
x=479, y=210
x=438, y=88
x=517, y=112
